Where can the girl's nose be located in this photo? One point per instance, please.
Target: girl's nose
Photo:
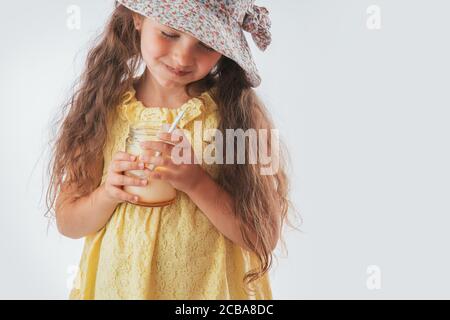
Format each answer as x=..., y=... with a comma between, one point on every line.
x=183, y=56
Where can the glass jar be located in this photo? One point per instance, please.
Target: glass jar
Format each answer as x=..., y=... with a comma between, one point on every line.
x=156, y=193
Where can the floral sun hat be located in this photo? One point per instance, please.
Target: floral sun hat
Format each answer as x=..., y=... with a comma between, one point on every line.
x=217, y=23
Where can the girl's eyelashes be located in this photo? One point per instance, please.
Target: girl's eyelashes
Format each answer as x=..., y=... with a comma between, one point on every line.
x=174, y=36
x=169, y=35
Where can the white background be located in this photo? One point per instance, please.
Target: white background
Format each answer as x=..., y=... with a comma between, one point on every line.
x=365, y=114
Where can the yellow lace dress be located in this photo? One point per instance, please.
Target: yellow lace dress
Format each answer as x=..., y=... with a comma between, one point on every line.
x=171, y=252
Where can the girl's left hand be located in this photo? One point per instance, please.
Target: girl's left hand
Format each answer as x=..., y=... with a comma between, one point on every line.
x=182, y=176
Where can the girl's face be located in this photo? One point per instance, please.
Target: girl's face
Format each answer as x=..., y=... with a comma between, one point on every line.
x=174, y=58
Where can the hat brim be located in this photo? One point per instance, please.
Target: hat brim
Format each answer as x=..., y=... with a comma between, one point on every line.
x=218, y=31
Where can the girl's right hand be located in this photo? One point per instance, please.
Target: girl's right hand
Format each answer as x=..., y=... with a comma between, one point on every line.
x=116, y=178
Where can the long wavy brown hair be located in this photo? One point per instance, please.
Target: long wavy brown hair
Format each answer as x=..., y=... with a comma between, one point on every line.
x=110, y=71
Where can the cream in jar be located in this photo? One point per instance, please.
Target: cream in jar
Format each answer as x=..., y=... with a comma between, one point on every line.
x=156, y=193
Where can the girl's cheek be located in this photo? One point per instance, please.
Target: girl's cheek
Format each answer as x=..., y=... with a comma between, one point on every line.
x=154, y=48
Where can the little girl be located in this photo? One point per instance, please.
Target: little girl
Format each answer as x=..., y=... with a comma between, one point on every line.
x=215, y=241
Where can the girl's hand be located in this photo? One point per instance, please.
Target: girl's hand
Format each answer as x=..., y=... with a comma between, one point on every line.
x=182, y=176
x=116, y=178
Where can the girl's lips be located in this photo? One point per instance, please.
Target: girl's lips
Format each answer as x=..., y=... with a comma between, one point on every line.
x=178, y=73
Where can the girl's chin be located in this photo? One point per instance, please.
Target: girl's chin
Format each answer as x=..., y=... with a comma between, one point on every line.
x=168, y=82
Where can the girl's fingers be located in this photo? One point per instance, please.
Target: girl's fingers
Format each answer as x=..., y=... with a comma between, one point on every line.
x=161, y=160
x=124, y=156
x=160, y=173
x=161, y=146
x=120, y=166
x=123, y=180
x=173, y=137
x=118, y=193
x=147, y=153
